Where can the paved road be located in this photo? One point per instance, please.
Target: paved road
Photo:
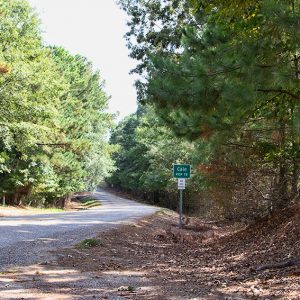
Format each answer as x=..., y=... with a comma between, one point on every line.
x=27, y=239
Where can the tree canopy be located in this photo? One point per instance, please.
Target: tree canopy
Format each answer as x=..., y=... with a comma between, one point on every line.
x=53, y=119
x=225, y=76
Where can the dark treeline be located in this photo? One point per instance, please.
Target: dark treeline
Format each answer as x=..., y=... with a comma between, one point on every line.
x=220, y=90
x=53, y=119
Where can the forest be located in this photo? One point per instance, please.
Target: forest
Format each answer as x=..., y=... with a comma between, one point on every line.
x=89, y=208
x=218, y=89
x=53, y=118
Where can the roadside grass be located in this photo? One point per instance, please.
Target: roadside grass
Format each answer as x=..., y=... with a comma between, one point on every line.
x=27, y=210
x=163, y=212
x=45, y=210
x=131, y=288
x=89, y=243
x=89, y=202
x=9, y=272
x=8, y=210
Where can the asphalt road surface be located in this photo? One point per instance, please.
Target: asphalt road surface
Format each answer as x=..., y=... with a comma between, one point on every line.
x=28, y=239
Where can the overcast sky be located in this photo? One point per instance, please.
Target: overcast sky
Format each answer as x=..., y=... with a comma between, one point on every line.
x=95, y=29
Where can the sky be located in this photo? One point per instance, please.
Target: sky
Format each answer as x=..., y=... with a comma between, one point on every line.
x=94, y=29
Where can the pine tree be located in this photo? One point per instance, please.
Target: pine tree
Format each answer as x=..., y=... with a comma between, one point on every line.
x=236, y=77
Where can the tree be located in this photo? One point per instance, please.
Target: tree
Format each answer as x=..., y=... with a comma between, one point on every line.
x=231, y=83
x=84, y=121
x=155, y=29
x=236, y=78
x=146, y=151
x=30, y=90
x=53, y=119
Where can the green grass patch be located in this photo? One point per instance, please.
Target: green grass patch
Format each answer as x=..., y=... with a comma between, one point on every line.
x=163, y=212
x=90, y=243
x=90, y=202
x=45, y=210
x=131, y=289
x=30, y=209
x=9, y=272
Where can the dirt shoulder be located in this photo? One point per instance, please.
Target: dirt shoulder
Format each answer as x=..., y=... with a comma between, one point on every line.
x=16, y=211
x=152, y=259
x=75, y=205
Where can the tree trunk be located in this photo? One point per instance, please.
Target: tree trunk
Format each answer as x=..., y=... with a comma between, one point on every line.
x=295, y=178
x=64, y=202
x=282, y=184
x=296, y=171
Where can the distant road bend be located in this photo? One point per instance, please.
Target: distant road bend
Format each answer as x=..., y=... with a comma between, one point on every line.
x=27, y=239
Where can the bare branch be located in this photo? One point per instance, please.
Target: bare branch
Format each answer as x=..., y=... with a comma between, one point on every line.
x=261, y=193
x=279, y=91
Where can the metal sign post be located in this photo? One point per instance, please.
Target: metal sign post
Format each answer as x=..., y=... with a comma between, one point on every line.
x=180, y=210
x=181, y=172
x=181, y=187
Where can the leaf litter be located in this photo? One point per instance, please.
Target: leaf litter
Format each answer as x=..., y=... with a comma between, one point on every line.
x=154, y=260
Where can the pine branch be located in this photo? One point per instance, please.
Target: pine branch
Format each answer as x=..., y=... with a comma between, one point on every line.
x=265, y=103
x=279, y=91
x=258, y=190
x=260, y=129
x=52, y=145
x=212, y=73
x=289, y=263
x=239, y=145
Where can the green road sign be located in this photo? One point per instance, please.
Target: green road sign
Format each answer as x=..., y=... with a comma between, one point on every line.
x=181, y=171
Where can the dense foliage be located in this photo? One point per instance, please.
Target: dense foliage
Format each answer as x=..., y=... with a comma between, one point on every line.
x=53, y=123
x=146, y=149
x=225, y=76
